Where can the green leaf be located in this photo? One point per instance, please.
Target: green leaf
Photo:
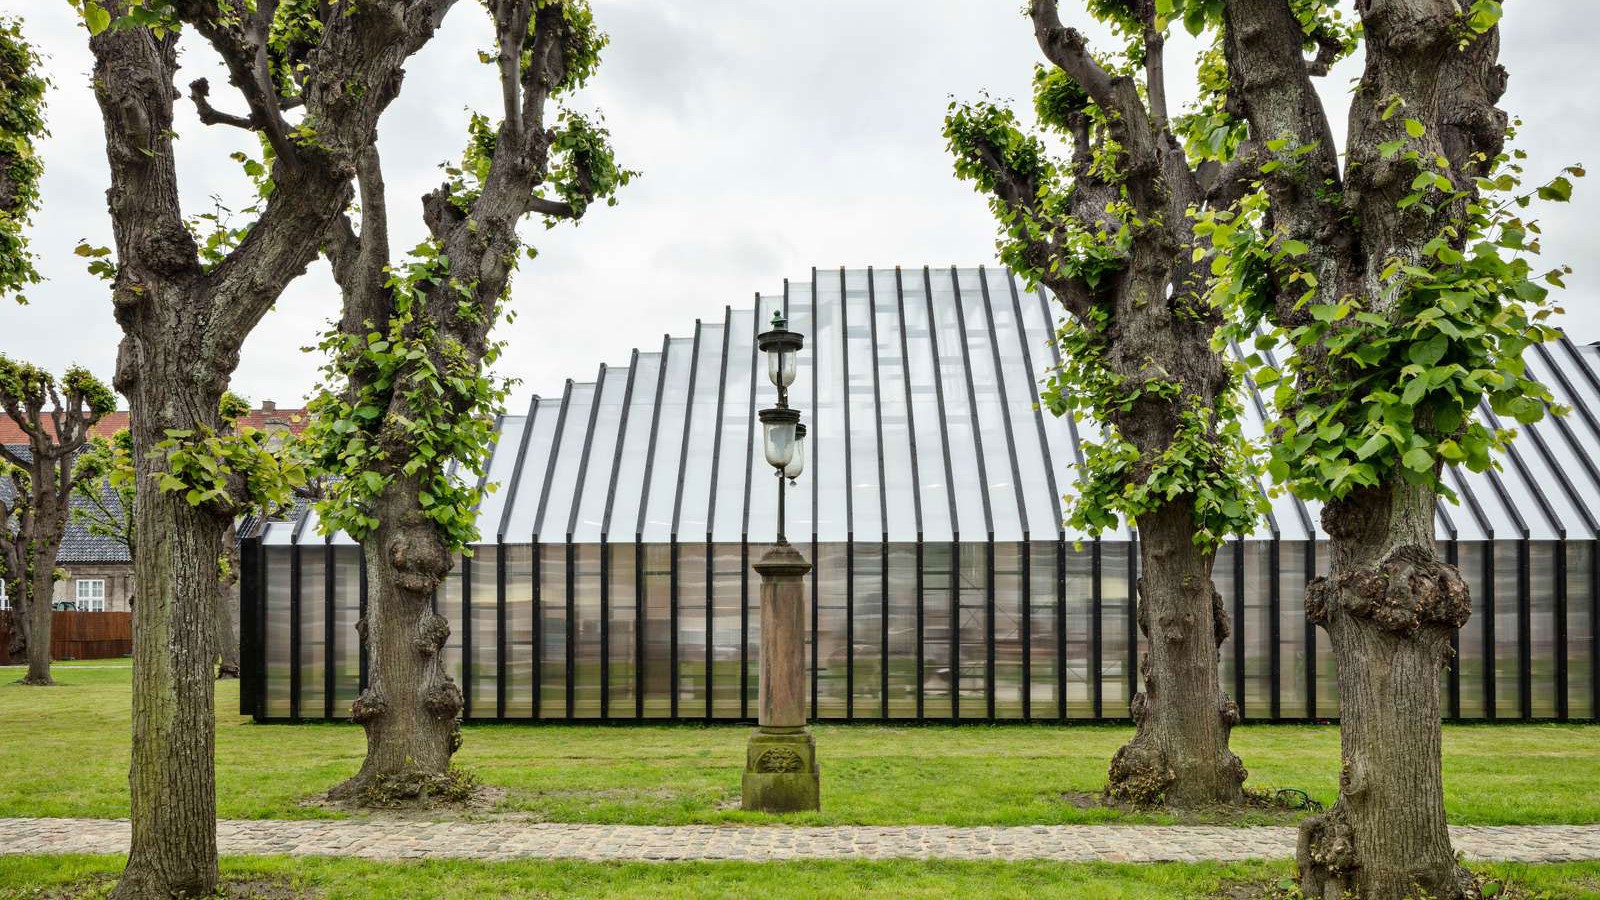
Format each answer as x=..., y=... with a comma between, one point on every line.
x=1558, y=190
x=1371, y=447
x=1414, y=128
x=96, y=18
x=1417, y=459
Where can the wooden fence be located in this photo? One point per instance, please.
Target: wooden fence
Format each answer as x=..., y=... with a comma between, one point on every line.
x=78, y=635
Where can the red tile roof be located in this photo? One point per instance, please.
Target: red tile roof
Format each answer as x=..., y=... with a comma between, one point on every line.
x=292, y=419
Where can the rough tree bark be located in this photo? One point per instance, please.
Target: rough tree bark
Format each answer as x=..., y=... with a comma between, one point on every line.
x=227, y=612
x=411, y=707
x=1388, y=604
x=183, y=325
x=1153, y=324
x=56, y=420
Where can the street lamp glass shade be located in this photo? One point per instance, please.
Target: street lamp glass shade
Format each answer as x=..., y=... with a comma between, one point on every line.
x=782, y=347
x=778, y=429
x=781, y=366
x=797, y=462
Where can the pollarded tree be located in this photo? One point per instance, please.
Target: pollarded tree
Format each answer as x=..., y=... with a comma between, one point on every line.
x=1400, y=281
x=407, y=391
x=56, y=419
x=1110, y=234
x=313, y=77
x=22, y=89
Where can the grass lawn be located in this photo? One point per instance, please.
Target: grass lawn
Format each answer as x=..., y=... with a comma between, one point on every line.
x=65, y=753
x=31, y=877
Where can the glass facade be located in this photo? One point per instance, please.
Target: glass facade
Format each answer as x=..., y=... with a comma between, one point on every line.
x=615, y=578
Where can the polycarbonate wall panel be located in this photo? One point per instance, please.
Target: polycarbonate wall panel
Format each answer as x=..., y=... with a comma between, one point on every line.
x=447, y=603
x=727, y=574
x=693, y=503
x=519, y=631
x=1257, y=629
x=803, y=396
x=995, y=440
x=622, y=630
x=1292, y=658
x=657, y=675
x=552, y=627
x=1021, y=363
x=1043, y=646
x=973, y=583
x=1581, y=702
x=868, y=618
x=733, y=456
x=691, y=632
x=635, y=458
x=1115, y=605
x=1542, y=627
x=903, y=631
x=1470, y=560
x=1222, y=576
x=937, y=672
x=483, y=685
x=672, y=414
x=313, y=630
x=827, y=416
x=278, y=650
x=761, y=518
x=346, y=640
x=961, y=424
x=830, y=569
x=602, y=453
x=551, y=525
x=866, y=518
x=929, y=437
x=900, y=488
x=1080, y=643
x=1507, y=680
x=586, y=628
x=524, y=506
x=1008, y=647
x=1327, y=669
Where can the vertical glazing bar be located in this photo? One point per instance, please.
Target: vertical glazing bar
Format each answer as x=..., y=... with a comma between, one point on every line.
x=672, y=617
x=638, y=628
x=849, y=503
x=815, y=463
x=711, y=511
x=883, y=626
x=1275, y=626
x=677, y=511
x=537, y=676
x=571, y=636
x=1488, y=632
x=605, y=621
x=329, y=632
x=1095, y=631
x=294, y=628
x=638, y=539
x=955, y=625
x=711, y=647
x=916, y=480
x=988, y=626
x=1027, y=629
x=883, y=496
x=921, y=611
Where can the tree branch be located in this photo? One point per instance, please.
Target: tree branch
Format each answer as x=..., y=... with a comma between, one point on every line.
x=1069, y=50
x=199, y=95
x=555, y=209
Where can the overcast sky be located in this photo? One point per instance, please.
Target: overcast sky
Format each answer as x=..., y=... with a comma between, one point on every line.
x=773, y=137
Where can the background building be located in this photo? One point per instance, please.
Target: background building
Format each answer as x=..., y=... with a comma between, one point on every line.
x=614, y=579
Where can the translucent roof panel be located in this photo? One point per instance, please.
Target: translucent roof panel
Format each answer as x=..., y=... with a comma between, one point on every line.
x=920, y=387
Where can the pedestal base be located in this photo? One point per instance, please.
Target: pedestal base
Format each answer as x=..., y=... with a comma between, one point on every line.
x=780, y=772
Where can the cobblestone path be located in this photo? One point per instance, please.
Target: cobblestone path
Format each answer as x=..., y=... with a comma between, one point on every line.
x=518, y=840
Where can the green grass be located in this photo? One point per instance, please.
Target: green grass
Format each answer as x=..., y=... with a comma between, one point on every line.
x=65, y=753
x=28, y=877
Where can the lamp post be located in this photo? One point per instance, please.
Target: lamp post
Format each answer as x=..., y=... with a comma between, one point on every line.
x=780, y=771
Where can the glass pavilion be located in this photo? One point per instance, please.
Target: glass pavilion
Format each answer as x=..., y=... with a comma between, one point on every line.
x=614, y=578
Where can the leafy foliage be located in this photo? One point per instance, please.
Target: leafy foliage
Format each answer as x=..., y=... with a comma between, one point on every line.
x=22, y=90
x=1399, y=390
x=448, y=401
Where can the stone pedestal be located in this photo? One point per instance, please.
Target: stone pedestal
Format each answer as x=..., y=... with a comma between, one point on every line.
x=780, y=769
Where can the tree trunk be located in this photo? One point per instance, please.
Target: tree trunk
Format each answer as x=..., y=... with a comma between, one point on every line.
x=172, y=779
x=1389, y=606
x=1179, y=753
x=410, y=708
x=228, y=609
x=39, y=613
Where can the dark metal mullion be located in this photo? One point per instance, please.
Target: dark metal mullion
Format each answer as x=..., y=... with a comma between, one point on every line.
x=1027, y=631
x=1489, y=687
x=1524, y=575
x=1055, y=494
x=983, y=481
x=1061, y=628
x=916, y=478
x=816, y=482
x=711, y=504
x=536, y=676
x=1452, y=552
x=605, y=540
x=1561, y=628
x=1095, y=631
x=744, y=525
x=1311, y=631
x=572, y=556
x=500, y=634
x=638, y=533
x=950, y=496
x=677, y=510
x=849, y=502
x=1275, y=626
x=883, y=499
